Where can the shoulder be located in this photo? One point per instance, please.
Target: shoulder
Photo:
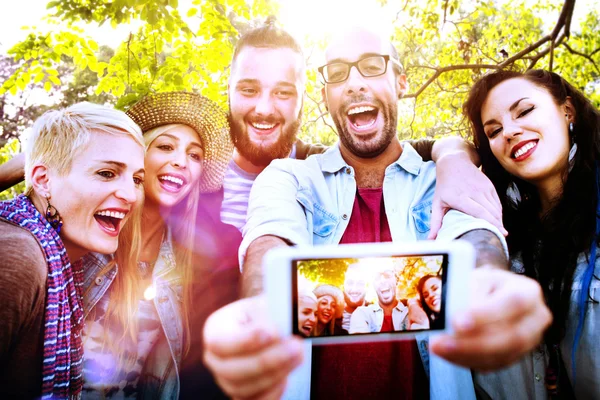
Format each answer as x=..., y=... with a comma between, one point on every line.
x=21, y=254
x=22, y=261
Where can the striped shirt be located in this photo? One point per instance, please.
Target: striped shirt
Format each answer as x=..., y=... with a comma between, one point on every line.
x=236, y=191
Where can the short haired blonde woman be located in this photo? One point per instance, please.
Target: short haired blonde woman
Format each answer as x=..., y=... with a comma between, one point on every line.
x=84, y=172
x=143, y=320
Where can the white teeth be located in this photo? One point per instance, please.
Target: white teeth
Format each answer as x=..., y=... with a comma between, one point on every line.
x=263, y=126
x=171, y=179
x=524, y=149
x=113, y=214
x=358, y=110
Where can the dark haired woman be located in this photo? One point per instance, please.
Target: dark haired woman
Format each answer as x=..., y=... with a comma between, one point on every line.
x=538, y=139
x=430, y=293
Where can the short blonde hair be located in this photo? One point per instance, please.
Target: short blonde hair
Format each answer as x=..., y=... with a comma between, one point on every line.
x=58, y=136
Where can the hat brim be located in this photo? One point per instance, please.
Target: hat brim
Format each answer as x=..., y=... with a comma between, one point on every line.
x=201, y=114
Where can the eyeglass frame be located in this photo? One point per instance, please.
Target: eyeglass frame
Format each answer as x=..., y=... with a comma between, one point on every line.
x=386, y=58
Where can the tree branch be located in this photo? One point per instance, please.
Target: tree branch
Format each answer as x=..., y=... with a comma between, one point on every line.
x=564, y=21
x=587, y=57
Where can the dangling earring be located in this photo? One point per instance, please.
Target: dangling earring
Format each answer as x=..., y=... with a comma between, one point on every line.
x=573, y=149
x=53, y=216
x=513, y=195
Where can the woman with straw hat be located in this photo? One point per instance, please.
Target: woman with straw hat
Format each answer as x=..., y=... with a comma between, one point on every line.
x=144, y=320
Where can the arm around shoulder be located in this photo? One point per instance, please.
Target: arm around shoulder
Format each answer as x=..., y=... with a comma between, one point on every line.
x=12, y=171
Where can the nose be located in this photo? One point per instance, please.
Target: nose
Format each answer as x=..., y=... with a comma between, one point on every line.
x=179, y=159
x=264, y=105
x=511, y=129
x=127, y=192
x=356, y=82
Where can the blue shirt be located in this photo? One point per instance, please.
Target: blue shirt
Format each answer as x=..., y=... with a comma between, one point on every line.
x=310, y=202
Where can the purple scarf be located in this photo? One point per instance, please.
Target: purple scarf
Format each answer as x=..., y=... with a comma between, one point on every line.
x=63, y=317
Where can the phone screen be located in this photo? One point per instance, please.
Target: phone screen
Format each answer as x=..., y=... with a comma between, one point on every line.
x=368, y=296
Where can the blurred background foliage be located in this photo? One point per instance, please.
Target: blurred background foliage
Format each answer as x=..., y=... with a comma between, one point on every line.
x=408, y=270
x=444, y=45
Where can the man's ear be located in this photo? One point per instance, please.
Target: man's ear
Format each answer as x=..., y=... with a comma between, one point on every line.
x=40, y=180
x=401, y=85
x=569, y=110
x=324, y=98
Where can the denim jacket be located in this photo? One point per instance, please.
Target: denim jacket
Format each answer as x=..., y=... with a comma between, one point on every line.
x=160, y=376
x=310, y=202
x=526, y=379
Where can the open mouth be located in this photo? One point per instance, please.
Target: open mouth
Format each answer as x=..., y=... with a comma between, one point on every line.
x=110, y=221
x=263, y=127
x=172, y=183
x=307, y=329
x=523, y=150
x=326, y=315
x=363, y=118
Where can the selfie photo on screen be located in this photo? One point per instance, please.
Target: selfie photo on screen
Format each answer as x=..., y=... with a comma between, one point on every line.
x=351, y=296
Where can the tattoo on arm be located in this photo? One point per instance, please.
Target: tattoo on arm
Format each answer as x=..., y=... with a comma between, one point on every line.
x=252, y=276
x=488, y=249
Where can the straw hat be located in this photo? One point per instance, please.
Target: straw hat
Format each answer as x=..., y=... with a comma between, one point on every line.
x=335, y=292
x=199, y=113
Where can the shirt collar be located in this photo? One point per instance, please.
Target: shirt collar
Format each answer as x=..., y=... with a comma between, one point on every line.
x=333, y=160
x=409, y=160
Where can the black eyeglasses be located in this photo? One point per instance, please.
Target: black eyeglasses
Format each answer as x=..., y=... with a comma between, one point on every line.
x=368, y=67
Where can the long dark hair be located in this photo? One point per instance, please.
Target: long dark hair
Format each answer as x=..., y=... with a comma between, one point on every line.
x=549, y=244
x=432, y=315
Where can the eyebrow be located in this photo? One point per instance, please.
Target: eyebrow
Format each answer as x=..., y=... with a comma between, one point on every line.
x=345, y=60
x=120, y=165
x=511, y=109
x=257, y=82
x=177, y=139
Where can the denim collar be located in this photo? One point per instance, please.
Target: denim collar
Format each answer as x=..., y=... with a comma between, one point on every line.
x=409, y=160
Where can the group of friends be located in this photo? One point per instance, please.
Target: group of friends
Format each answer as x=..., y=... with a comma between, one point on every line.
x=131, y=266
x=328, y=310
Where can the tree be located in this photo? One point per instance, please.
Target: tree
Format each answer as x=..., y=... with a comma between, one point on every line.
x=445, y=45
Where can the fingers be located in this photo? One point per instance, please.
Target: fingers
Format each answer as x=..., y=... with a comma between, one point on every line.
x=487, y=350
x=247, y=356
x=506, y=319
x=483, y=209
x=239, y=327
x=254, y=374
x=437, y=215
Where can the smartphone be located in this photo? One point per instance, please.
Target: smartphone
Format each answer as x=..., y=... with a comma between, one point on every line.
x=367, y=292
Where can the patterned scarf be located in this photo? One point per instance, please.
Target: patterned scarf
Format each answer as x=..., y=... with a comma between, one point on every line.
x=63, y=317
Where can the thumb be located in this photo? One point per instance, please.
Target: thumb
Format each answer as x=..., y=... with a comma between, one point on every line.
x=437, y=215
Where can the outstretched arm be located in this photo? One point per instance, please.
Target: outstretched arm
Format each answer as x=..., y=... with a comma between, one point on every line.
x=12, y=171
x=461, y=185
x=506, y=317
x=252, y=277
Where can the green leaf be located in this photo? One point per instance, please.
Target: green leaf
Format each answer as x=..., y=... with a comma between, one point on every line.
x=192, y=11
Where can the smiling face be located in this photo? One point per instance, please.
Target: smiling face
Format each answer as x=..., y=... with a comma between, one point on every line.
x=96, y=196
x=432, y=293
x=307, y=315
x=527, y=131
x=265, y=102
x=326, y=309
x=364, y=109
x=355, y=287
x=385, y=287
x=173, y=166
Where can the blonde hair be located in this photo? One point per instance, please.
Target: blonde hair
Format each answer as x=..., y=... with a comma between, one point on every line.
x=58, y=136
x=124, y=300
x=184, y=234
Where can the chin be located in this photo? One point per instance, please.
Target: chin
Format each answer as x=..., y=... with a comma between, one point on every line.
x=104, y=246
